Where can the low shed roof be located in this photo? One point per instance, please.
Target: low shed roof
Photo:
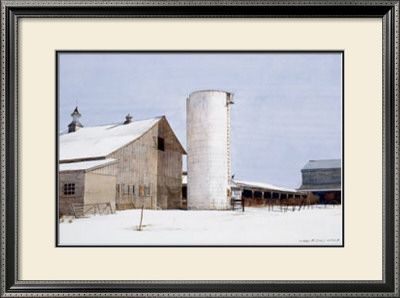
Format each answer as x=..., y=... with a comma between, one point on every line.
x=85, y=165
x=259, y=185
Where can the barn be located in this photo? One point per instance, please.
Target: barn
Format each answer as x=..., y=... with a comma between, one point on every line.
x=324, y=179
x=119, y=166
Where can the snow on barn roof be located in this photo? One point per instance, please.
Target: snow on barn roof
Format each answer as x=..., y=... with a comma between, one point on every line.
x=85, y=165
x=99, y=141
x=323, y=164
x=262, y=185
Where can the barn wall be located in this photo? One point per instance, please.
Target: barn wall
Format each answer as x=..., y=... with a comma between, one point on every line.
x=169, y=179
x=100, y=189
x=65, y=201
x=111, y=169
x=137, y=167
x=321, y=177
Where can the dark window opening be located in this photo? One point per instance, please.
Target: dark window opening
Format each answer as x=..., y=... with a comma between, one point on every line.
x=283, y=196
x=290, y=196
x=184, y=192
x=247, y=193
x=267, y=195
x=258, y=194
x=275, y=195
x=69, y=189
x=297, y=196
x=161, y=144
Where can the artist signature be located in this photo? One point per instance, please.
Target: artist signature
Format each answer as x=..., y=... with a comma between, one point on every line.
x=316, y=240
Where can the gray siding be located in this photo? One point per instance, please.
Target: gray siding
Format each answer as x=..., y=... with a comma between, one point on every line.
x=321, y=178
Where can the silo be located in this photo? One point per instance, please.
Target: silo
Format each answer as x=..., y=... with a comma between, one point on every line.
x=208, y=150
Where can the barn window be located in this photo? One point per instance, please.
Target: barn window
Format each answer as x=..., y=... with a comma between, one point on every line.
x=69, y=189
x=267, y=195
x=129, y=189
x=160, y=144
x=144, y=190
x=275, y=195
x=141, y=190
x=147, y=191
x=283, y=196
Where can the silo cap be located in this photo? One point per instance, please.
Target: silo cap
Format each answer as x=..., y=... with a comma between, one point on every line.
x=209, y=91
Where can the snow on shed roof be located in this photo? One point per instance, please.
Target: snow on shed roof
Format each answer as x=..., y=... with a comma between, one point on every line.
x=99, y=141
x=85, y=165
x=323, y=164
x=184, y=179
x=262, y=185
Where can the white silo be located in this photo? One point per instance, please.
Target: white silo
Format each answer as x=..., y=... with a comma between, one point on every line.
x=208, y=150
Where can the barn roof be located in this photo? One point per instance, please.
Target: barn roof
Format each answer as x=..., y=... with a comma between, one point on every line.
x=99, y=141
x=261, y=186
x=85, y=165
x=323, y=164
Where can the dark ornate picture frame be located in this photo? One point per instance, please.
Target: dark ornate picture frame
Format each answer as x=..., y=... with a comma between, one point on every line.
x=13, y=11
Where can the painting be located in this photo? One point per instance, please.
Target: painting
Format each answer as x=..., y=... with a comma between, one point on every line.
x=200, y=148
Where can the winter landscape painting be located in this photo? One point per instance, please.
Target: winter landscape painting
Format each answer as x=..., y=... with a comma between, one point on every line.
x=200, y=149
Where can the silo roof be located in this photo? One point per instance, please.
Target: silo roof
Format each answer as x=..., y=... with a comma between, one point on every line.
x=209, y=90
x=323, y=164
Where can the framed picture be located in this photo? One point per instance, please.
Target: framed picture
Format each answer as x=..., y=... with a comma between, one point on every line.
x=193, y=148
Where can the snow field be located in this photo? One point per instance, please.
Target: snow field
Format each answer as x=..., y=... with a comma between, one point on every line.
x=320, y=225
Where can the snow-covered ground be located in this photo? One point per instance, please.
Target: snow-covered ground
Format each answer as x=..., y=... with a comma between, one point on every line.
x=320, y=225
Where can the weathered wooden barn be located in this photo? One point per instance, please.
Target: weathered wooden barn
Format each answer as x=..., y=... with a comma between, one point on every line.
x=123, y=166
x=323, y=178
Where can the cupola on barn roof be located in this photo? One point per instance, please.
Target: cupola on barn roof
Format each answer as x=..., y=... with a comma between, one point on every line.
x=75, y=124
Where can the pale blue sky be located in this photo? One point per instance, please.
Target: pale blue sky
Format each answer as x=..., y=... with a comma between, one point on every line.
x=287, y=106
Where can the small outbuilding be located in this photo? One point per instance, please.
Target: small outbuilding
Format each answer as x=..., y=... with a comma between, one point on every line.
x=323, y=178
x=262, y=194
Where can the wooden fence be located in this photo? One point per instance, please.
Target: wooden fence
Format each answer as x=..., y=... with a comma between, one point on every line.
x=86, y=210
